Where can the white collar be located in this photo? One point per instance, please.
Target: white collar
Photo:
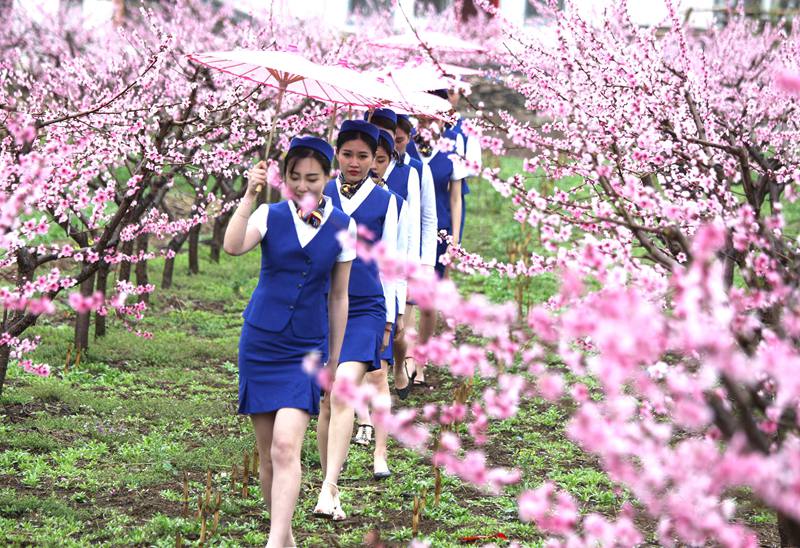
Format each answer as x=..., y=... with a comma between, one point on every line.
x=389, y=169
x=305, y=232
x=349, y=205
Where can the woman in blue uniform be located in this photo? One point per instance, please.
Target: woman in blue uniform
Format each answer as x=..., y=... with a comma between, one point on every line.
x=427, y=254
x=403, y=180
x=447, y=182
x=301, y=258
x=371, y=309
x=471, y=147
x=380, y=378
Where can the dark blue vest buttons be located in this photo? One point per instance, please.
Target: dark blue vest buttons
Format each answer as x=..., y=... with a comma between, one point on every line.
x=299, y=286
x=308, y=261
x=291, y=307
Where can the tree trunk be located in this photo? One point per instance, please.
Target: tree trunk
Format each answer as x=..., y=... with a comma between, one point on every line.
x=469, y=10
x=169, y=264
x=5, y=354
x=101, y=286
x=789, y=530
x=5, y=8
x=125, y=266
x=141, y=267
x=218, y=235
x=119, y=12
x=194, y=250
x=83, y=319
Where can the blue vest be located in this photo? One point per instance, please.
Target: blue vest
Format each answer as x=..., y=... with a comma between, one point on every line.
x=411, y=148
x=398, y=180
x=293, y=280
x=452, y=133
x=442, y=169
x=365, y=280
x=416, y=163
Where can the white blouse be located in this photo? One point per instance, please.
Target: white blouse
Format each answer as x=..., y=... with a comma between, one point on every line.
x=305, y=232
x=428, y=220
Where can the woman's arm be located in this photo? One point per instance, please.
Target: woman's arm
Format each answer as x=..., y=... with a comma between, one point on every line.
x=430, y=222
x=455, y=209
x=389, y=241
x=338, y=303
x=239, y=238
x=402, y=255
x=414, y=217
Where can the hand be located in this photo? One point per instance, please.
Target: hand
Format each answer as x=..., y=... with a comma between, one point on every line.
x=257, y=176
x=387, y=332
x=400, y=328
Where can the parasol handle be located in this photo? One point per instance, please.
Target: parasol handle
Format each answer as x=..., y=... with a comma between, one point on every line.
x=272, y=128
x=332, y=123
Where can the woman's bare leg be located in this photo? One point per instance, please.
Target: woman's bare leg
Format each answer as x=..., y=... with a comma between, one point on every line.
x=380, y=380
x=340, y=429
x=287, y=442
x=263, y=425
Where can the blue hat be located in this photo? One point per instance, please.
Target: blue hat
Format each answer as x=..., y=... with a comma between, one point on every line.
x=386, y=136
x=386, y=113
x=362, y=127
x=314, y=143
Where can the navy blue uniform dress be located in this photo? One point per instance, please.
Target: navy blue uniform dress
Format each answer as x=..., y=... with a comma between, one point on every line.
x=442, y=169
x=451, y=133
x=287, y=315
x=416, y=164
x=398, y=185
x=367, y=314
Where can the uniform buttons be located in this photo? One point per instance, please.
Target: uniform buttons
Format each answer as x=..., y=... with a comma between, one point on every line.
x=291, y=307
x=308, y=261
x=304, y=273
x=299, y=286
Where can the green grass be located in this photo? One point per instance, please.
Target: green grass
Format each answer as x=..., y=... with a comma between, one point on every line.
x=96, y=456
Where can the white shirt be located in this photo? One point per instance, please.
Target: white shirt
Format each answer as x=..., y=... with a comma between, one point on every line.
x=459, y=169
x=472, y=153
x=389, y=236
x=305, y=232
x=429, y=223
x=403, y=229
x=412, y=200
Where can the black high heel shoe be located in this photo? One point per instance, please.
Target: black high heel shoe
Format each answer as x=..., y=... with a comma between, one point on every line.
x=403, y=393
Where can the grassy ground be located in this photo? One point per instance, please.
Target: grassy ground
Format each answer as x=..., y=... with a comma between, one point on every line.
x=96, y=455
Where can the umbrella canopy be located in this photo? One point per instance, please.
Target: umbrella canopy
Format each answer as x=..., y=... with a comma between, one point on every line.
x=421, y=76
x=437, y=41
x=420, y=103
x=292, y=73
x=393, y=96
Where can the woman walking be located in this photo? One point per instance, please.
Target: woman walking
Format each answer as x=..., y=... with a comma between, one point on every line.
x=284, y=322
x=448, y=179
x=371, y=299
x=380, y=378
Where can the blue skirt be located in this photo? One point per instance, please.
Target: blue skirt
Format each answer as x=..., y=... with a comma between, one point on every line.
x=363, y=336
x=441, y=248
x=271, y=375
